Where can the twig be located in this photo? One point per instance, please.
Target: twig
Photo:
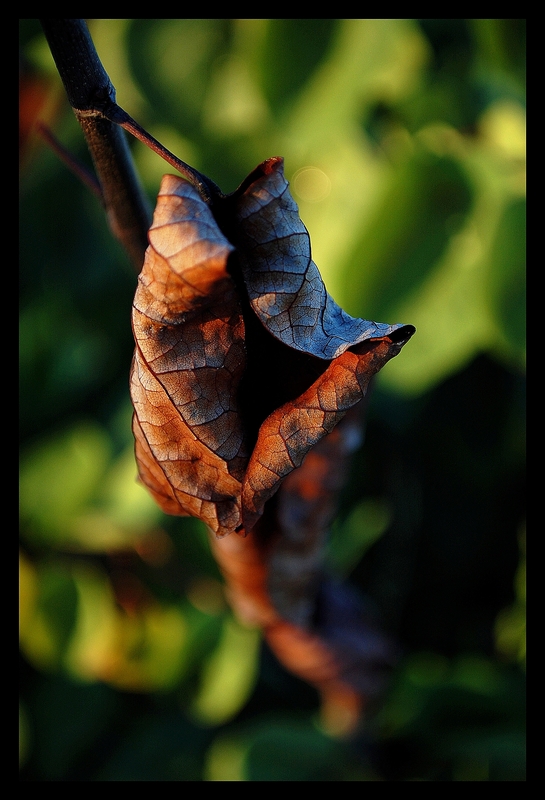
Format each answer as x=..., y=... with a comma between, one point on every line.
x=85, y=176
x=89, y=89
x=208, y=190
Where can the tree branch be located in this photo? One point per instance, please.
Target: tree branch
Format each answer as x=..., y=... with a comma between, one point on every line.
x=89, y=90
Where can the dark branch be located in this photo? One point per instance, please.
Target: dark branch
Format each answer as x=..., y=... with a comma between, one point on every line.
x=89, y=90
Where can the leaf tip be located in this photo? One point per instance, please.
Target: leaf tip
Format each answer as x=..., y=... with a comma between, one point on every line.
x=272, y=164
x=402, y=334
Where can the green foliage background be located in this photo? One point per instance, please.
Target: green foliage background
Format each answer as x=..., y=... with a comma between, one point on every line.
x=404, y=142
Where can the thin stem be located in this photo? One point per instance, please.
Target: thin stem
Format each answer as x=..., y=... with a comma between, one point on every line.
x=206, y=187
x=72, y=163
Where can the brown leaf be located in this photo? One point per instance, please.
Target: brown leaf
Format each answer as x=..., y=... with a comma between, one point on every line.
x=284, y=285
x=247, y=383
x=291, y=431
x=188, y=363
x=275, y=579
x=191, y=378
x=276, y=573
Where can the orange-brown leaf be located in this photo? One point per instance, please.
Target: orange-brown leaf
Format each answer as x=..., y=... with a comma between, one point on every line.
x=275, y=578
x=291, y=431
x=188, y=363
x=200, y=391
x=246, y=381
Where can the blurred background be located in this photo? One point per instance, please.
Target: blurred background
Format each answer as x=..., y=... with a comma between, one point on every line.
x=404, y=143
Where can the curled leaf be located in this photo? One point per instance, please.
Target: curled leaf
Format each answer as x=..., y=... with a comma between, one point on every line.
x=192, y=376
x=247, y=382
x=188, y=362
x=291, y=431
x=318, y=629
x=284, y=285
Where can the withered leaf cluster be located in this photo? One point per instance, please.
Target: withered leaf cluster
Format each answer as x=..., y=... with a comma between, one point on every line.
x=243, y=361
x=246, y=384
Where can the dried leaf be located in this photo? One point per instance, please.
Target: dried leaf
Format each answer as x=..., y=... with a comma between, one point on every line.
x=276, y=574
x=318, y=629
x=188, y=363
x=291, y=431
x=193, y=419
x=247, y=383
x=284, y=285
